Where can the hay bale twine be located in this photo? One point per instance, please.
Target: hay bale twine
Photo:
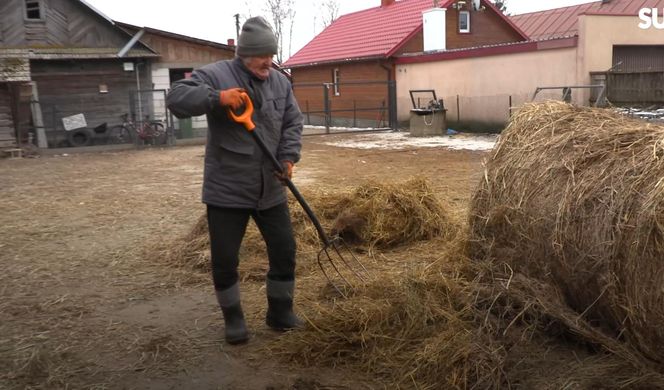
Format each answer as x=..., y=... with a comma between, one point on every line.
x=575, y=197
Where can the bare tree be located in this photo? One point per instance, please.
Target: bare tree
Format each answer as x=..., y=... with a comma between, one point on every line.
x=290, y=34
x=282, y=15
x=329, y=11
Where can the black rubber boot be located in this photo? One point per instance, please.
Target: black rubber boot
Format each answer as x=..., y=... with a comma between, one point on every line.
x=280, y=315
x=235, y=327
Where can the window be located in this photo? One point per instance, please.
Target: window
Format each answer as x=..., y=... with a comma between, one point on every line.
x=335, y=80
x=33, y=10
x=464, y=21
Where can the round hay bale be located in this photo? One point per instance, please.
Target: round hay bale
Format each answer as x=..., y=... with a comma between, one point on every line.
x=388, y=215
x=575, y=197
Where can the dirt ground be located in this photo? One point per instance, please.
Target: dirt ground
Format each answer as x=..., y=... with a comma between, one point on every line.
x=81, y=305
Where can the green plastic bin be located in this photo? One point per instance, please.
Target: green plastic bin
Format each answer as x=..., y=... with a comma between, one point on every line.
x=186, y=128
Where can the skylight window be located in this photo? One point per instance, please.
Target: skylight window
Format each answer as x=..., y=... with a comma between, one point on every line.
x=33, y=10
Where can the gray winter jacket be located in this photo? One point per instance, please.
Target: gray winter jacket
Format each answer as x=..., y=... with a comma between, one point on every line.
x=236, y=173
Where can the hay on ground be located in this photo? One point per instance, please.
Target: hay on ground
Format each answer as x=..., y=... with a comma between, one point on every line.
x=382, y=215
x=191, y=250
x=451, y=322
x=412, y=329
x=574, y=197
x=388, y=215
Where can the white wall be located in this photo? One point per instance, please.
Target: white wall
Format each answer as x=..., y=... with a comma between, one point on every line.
x=161, y=80
x=599, y=33
x=484, y=84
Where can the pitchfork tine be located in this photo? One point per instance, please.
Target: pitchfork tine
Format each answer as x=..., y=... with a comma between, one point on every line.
x=338, y=240
x=329, y=279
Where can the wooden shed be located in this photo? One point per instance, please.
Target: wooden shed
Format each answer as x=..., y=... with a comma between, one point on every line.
x=80, y=65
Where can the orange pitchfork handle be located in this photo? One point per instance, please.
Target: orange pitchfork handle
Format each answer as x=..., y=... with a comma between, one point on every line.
x=245, y=117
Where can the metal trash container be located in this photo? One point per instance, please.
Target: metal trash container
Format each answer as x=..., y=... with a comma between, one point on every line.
x=428, y=117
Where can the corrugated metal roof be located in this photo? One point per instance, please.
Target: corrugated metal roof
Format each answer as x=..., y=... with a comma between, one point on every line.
x=84, y=53
x=364, y=34
x=373, y=33
x=133, y=29
x=48, y=53
x=563, y=22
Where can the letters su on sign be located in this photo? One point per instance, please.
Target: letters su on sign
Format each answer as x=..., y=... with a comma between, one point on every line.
x=650, y=18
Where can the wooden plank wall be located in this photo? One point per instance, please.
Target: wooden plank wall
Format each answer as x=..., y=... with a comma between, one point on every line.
x=67, y=23
x=180, y=51
x=67, y=88
x=360, y=95
x=636, y=88
x=486, y=28
x=7, y=137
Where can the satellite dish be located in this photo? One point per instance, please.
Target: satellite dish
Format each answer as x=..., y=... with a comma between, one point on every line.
x=476, y=4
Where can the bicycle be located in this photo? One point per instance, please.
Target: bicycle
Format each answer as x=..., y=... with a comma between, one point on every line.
x=122, y=134
x=149, y=132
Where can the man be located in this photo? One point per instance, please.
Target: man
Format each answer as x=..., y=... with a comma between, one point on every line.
x=239, y=181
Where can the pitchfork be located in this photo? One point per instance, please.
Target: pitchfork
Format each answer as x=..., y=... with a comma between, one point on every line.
x=333, y=249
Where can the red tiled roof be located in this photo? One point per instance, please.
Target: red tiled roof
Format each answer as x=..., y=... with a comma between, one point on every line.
x=563, y=22
x=370, y=33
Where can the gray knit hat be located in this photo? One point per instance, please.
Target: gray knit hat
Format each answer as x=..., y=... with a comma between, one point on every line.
x=256, y=39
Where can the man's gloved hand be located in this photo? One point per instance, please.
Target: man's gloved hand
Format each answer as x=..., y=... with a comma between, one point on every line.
x=232, y=98
x=286, y=173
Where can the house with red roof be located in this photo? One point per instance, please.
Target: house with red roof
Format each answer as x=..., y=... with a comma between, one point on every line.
x=580, y=49
x=356, y=54
x=484, y=73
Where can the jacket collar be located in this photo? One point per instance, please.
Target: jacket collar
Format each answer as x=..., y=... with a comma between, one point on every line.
x=240, y=64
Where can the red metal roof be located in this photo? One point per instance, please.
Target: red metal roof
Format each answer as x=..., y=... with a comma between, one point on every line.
x=563, y=22
x=370, y=33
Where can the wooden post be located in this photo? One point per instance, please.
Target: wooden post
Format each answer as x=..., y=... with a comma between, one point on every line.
x=326, y=105
x=458, y=110
x=354, y=114
x=306, y=102
x=37, y=118
x=393, y=111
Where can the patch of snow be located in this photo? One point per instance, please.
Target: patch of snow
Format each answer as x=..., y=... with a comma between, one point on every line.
x=335, y=128
x=398, y=141
x=650, y=115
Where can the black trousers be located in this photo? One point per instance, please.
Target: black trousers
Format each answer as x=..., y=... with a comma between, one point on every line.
x=227, y=228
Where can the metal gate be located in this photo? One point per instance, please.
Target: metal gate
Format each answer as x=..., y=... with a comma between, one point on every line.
x=149, y=105
x=347, y=107
x=636, y=88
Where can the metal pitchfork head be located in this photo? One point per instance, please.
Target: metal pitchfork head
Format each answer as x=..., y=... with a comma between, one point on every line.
x=335, y=255
x=336, y=248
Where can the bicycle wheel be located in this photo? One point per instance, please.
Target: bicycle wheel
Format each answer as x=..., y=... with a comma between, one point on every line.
x=158, y=133
x=120, y=135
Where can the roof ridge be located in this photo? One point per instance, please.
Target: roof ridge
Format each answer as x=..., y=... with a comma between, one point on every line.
x=553, y=9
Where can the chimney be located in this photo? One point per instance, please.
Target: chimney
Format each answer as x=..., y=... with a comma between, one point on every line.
x=230, y=42
x=433, y=23
x=386, y=3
